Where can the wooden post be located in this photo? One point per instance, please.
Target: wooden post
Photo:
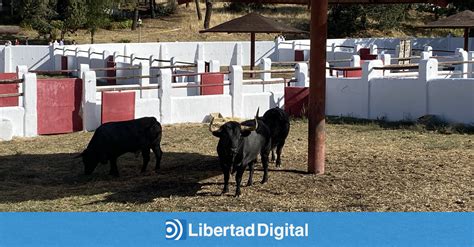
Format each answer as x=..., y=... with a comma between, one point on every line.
x=466, y=39
x=317, y=88
x=252, y=51
x=207, y=17
x=198, y=9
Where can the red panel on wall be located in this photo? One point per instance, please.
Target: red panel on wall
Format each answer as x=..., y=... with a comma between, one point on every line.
x=111, y=73
x=364, y=54
x=296, y=101
x=207, y=79
x=299, y=55
x=59, y=103
x=118, y=106
x=352, y=73
x=7, y=89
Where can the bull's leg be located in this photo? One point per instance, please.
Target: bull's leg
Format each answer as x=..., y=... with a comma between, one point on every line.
x=146, y=158
x=226, y=171
x=264, y=155
x=273, y=156
x=238, y=179
x=158, y=154
x=251, y=168
x=278, y=151
x=113, y=167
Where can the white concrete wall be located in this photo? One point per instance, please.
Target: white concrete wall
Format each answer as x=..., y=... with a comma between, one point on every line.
x=397, y=99
x=195, y=108
x=147, y=107
x=35, y=57
x=17, y=117
x=347, y=97
x=45, y=58
x=2, y=60
x=254, y=101
x=452, y=99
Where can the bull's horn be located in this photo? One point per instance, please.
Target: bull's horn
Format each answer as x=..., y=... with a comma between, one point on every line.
x=258, y=109
x=250, y=128
x=211, y=127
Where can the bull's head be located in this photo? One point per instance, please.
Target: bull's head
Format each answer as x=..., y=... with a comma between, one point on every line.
x=90, y=161
x=230, y=135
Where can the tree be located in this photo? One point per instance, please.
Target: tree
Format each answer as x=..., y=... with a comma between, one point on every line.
x=96, y=15
x=72, y=15
x=461, y=5
x=38, y=14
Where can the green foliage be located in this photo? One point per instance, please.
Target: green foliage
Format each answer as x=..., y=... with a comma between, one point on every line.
x=244, y=7
x=343, y=20
x=124, y=41
x=37, y=13
x=166, y=9
x=96, y=15
x=117, y=25
x=461, y=5
x=346, y=20
x=386, y=16
x=74, y=16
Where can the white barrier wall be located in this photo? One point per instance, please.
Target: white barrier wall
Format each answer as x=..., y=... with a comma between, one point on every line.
x=49, y=57
x=347, y=97
x=16, y=115
x=377, y=94
x=452, y=99
x=194, y=109
x=397, y=99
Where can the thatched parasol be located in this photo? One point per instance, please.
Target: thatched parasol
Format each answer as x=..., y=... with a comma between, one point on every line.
x=252, y=23
x=464, y=20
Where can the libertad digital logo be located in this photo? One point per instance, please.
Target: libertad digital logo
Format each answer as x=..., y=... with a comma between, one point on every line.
x=179, y=230
x=175, y=229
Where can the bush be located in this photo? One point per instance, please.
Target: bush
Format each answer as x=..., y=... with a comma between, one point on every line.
x=117, y=25
x=243, y=7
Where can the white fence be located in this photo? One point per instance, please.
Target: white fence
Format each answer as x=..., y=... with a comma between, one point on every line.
x=228, y=53
x=378, y=93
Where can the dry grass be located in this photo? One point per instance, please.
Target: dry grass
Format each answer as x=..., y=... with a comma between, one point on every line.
x=369, y=168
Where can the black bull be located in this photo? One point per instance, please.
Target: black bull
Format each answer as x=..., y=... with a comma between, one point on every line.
x=278, y=121
x=238, y=147
x=113, y=139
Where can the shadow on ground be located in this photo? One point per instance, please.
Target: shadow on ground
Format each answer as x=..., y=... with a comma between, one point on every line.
x=54, y=176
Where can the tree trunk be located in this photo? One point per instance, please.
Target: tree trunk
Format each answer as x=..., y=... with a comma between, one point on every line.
x=135, y=18
x=198, y=9
x=92, y=36
x=152, y=8
x=207, y=18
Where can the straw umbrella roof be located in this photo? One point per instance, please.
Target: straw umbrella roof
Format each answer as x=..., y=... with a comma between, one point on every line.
x=464, y=19
x=252, y=23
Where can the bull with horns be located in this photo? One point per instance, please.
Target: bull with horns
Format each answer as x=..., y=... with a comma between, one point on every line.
x=238, y=147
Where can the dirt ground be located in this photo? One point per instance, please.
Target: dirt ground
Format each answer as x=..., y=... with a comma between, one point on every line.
x=368, y=168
